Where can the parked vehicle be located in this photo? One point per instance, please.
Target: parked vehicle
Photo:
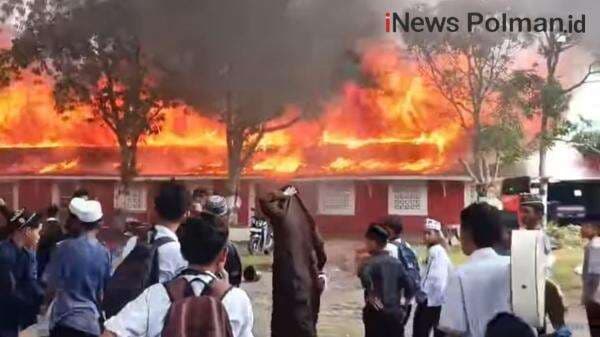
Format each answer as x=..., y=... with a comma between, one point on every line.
x=261, y=236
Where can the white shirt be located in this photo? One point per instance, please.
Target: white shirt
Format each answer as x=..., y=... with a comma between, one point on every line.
x=392, y=247
x=170, y=260
x=392, y=250
x=435, y=275
x=477, y=291
x=145, y=316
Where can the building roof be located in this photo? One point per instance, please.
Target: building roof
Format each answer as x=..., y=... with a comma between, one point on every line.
x=162, y=163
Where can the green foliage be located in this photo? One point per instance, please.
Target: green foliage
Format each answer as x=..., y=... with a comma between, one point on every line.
x=588, y=143
x=555, y=100
x=565, y=236
x=504, y=140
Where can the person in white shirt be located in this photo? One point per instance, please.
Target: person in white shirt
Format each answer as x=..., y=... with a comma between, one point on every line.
x=433, y=284
x=203, y=244
x=171, y=205
x=479, y=289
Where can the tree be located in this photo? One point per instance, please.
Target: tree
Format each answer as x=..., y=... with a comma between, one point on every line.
x=257, y=61
x=98, y=66
x=467, y=69
x=540, y=93
x=243, y=137
x=555, y=98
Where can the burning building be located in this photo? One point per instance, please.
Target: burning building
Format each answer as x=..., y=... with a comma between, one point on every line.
x=390, y=148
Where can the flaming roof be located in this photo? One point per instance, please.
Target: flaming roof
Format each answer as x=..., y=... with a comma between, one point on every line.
x=396, y=126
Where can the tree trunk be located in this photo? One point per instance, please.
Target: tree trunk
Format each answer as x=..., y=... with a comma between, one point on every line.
x=128, y=163
x=235, y=147
x=481, y=187
x=542, y=164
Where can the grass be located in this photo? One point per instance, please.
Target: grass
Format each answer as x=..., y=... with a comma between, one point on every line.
x=563, y=272
x=567, y=259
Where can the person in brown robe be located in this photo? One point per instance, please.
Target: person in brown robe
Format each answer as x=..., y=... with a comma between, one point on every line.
x=298, y=261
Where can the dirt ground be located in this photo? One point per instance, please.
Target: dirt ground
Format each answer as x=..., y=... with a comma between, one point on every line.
x=342, y=302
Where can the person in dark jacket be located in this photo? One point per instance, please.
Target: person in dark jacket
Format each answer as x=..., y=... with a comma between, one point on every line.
x=386, y=283
x=20, y=294
x=298, y=261
x=52, y=233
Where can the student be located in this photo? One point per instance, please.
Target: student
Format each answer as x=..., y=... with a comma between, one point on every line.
x=52, y=233
x=480, y=288
x=203, y=244
x=532, y=215
x=394, y=225
x=385, y=281
x=171, y=205
x=508, y=325
x=199, y=198
x=20, y=293
x=433, y=286
x=77, y=274
x=591, y=276
x=217, y=205
x=400, y=249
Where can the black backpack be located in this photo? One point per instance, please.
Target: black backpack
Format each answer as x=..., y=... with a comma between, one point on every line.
x=409, y=260
x=138, y=271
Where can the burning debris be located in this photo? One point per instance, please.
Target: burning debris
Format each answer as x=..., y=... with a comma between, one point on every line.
x=63, y=166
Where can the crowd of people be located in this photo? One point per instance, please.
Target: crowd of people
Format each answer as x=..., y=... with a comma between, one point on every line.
x=64, y=269
x=473, y=299
x=184, y=274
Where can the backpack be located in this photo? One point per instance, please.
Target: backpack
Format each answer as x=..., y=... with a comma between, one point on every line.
x=138, y=271
x=197, y=316
x=409, y=260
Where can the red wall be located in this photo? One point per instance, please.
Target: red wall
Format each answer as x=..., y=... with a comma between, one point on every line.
x=445, y=201
x=35, y=194
x=371, y=204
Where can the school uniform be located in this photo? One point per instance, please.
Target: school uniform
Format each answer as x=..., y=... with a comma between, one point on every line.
x=170, y=261
x=591, y=282
x=145, y=316
x=20, y=292
x=78, y=272
x=433, y=288
x=386, y=279
x=476, y=292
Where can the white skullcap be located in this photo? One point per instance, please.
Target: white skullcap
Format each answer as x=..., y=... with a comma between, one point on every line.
x=216, y=204
x=434, y=225
x=86, y=210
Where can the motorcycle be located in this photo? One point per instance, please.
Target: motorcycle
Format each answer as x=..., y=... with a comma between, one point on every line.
x=261, y=236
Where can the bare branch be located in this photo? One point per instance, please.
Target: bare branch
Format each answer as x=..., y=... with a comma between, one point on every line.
x=590, y=72
x=281, y=126
x=469, y=170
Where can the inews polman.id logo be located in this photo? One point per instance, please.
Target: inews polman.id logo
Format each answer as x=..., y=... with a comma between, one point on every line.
x=501, y=22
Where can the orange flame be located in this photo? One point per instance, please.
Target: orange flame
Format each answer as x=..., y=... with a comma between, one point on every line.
x=60, y=167
x=395, y=126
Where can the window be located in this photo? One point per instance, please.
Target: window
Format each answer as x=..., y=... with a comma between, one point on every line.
x=336, y=198
x=407, y=198
x=133, y=200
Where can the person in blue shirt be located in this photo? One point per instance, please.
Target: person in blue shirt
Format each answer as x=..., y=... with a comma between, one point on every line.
x=77, y=274
x=20, y=292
